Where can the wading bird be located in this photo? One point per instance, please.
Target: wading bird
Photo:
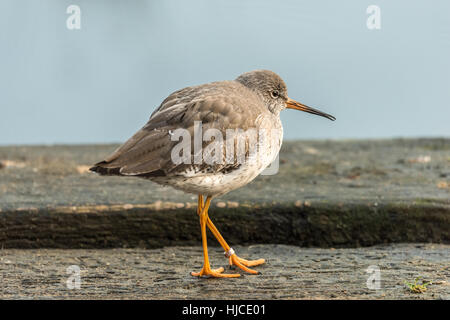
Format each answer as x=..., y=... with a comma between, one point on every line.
x=253, y=101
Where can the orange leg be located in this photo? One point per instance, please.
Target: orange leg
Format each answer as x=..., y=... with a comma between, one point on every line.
x=229, y=252
x=206, y=270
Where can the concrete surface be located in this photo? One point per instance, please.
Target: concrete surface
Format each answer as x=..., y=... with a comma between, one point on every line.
x=326, y=194
x=290, y=273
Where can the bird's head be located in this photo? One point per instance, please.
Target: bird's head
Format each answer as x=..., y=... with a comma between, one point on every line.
x=273, y=91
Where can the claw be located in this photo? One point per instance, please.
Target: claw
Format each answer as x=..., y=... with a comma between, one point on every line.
x=215, y=273
x=243, y=264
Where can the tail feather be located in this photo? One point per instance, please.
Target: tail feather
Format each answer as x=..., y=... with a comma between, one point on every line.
x=98, y=168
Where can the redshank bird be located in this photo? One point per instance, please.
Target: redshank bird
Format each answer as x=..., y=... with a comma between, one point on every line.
x=221, y=124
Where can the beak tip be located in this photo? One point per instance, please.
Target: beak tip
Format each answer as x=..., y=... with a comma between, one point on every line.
x=292, y=104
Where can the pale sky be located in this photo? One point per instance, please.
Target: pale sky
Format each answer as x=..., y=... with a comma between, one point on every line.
x=99, y=84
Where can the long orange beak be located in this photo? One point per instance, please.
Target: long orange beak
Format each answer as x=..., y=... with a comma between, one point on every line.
x=292, y=104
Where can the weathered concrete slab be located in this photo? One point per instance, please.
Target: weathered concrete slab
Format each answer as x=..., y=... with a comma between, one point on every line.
x=290, y=273
x=327, y=193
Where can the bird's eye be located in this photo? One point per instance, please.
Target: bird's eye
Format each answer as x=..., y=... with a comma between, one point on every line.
x=275, y=94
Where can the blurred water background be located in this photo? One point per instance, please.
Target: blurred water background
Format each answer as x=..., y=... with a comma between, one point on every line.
x=100, y=83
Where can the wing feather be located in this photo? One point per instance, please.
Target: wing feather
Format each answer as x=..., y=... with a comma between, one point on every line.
x=149, y=149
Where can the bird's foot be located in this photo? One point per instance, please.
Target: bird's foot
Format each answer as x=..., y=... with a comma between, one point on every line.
x=214, y=273
x=242, y=263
